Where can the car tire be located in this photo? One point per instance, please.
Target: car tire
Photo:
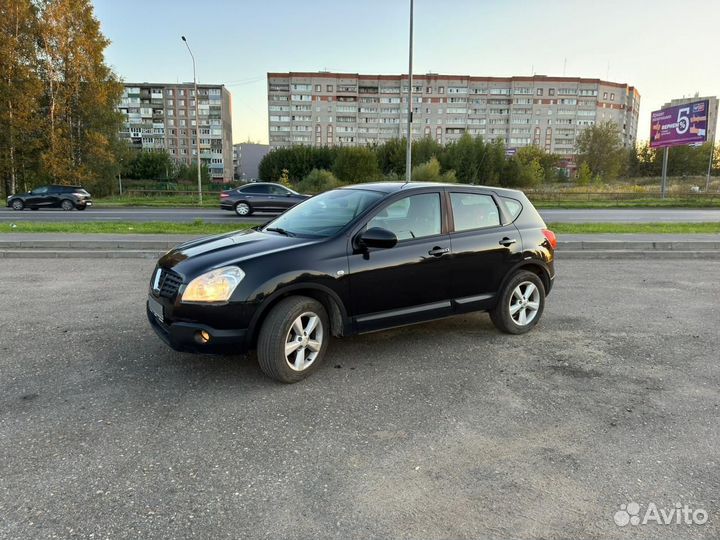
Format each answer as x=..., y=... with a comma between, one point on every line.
x=520, y=304
x=17, y=204
x=67, y=205
x=293, y=339
x=243, y=209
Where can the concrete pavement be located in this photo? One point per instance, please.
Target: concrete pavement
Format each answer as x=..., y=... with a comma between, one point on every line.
x=213, y=215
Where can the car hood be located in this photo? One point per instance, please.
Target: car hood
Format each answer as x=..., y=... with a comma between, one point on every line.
x=204, y=254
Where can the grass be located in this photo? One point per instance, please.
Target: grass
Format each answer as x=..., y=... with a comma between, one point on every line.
x=637, y=228
x=632, y=203
x=199, y=227
x=209, y=201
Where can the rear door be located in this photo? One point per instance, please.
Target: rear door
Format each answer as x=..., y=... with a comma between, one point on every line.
x=257, y=196
x=485, y=246
x=408, y=282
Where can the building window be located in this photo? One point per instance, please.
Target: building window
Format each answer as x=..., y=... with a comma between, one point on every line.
x=551, y=91
x=317, y=88
x=605, y=95
x=539, y=91
x=612, y=97
x=441, y=89
x=428, y=90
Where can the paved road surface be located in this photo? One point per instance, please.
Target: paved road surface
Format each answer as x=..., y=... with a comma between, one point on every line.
x=443, y=430
x=212, y=215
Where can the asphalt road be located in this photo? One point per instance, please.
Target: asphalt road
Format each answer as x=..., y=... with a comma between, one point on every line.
x=211, y=215
x=443, y=430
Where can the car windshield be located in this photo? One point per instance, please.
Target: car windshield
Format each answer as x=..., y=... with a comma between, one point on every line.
x=324, y=214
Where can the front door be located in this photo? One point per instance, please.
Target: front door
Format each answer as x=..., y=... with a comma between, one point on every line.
x=410, y=281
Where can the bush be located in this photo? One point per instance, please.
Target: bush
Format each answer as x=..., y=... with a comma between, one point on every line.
x=584, y=175
x=317, y=181
x=356, y=164
x=430, y=172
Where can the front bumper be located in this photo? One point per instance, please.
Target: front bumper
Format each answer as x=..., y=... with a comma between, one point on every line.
x=184, y=337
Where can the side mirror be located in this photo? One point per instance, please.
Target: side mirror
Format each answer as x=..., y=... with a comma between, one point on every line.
x=377, y=237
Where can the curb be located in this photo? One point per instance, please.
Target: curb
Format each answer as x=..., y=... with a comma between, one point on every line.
x=571, y=254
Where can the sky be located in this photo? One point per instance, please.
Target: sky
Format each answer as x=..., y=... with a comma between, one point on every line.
x=665, y=48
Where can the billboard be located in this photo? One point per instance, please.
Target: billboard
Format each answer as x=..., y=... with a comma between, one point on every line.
x=679, y=125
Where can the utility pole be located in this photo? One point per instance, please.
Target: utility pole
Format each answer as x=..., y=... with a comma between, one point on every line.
x=710, y=162
x=197, y=123
x=408, y=150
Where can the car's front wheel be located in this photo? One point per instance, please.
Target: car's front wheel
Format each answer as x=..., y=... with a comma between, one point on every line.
x=293, y=339
x=17, y=204
x=67, y=205
x=243, y=209
x=520, y=304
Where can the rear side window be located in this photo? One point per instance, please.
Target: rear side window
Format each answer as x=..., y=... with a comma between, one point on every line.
x=513, y=207
x=474, y=211
x=255, y=189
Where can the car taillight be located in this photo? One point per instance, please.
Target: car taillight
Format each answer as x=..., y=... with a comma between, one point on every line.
x=550, y=238
x=224, y=195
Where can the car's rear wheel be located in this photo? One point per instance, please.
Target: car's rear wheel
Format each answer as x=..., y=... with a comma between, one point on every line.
x=520, y=304
x=293, y=339
x=243, y=209
x=67, y=205
x=17, y=204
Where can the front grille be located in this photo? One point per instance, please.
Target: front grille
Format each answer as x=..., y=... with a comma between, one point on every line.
x=169, y=284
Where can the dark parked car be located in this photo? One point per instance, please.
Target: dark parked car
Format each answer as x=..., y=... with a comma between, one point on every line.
x=65, y=197
x=354, y=260
x=260, y=197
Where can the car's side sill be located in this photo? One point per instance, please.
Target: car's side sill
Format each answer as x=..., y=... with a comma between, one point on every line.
x=391, y=314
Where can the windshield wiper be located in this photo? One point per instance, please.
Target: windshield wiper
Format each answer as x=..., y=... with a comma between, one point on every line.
x=280, y=230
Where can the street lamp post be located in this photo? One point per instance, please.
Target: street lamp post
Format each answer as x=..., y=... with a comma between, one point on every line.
x=408, y=149
x=197, y=123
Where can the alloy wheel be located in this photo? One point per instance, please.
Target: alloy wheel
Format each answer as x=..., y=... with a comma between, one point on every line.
x=17, y=205
x=524, y=303
x=242, y=209
x=303, y=341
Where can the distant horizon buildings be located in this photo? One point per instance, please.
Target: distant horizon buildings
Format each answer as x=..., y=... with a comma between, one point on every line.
x=246, y=160
x=712, y=111
x=162, y=116
x=349, y=109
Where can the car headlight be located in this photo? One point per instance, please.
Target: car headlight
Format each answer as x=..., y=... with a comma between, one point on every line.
x=214, y=286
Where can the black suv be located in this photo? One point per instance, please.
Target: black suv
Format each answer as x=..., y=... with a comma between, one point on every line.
x=260, y=197
x=65, y=197
x=354, y=260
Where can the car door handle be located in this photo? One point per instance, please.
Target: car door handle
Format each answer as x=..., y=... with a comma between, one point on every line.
x=438, y=251
x=507, y=241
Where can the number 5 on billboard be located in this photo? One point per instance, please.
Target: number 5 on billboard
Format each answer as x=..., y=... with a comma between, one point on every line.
x=682, y=120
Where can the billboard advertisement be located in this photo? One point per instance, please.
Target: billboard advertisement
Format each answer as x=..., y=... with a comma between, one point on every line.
x=679, y=125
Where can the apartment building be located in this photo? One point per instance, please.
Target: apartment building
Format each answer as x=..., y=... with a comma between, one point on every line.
x=161, y=116
x=350, y=109
x=712, y=111
x=247, y=158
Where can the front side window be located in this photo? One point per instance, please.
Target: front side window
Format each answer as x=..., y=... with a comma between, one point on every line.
x=279, y=190
x=39, y=191
x=416, y=216
x=474, y=211
x=325, y=214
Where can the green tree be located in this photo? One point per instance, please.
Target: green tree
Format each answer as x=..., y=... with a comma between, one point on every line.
x=584, y=175
x=81, y=92
x=356, y=164
x=600, y=147
x=154, y=165
x=391, y=156
x=20, y=91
